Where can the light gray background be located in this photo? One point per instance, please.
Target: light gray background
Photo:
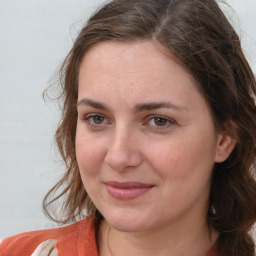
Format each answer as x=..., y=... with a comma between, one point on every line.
x=35, y=37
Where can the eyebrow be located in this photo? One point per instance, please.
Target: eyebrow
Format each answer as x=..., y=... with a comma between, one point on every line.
x=138, y=108
x=92, y=103
x=156, y=105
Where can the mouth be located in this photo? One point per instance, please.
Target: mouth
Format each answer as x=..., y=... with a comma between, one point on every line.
x=127, y=190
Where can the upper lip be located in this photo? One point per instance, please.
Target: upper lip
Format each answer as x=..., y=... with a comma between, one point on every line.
x=128, y=185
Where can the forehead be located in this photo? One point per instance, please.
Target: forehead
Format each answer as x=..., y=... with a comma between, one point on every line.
x=122, y=76
x=134, y=72
x=121, y=60
x=138, y=52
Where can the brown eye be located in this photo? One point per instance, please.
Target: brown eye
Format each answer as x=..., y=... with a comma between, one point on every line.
x=98, y=119
x=159, y=121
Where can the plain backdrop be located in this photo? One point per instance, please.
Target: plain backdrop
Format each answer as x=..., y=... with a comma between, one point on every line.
x=35, y=37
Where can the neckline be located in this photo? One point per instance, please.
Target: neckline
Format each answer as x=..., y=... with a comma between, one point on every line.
x=87, y=232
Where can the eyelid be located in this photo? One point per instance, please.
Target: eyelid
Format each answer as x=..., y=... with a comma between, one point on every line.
x=86, y=116
x=86, y=119
x=169, y=120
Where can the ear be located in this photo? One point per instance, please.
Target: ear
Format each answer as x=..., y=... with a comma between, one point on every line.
x=226, y=142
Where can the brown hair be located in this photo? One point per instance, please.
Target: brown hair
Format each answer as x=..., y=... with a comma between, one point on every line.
x=199, y=35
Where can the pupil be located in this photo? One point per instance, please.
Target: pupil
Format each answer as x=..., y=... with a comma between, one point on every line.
x=160, y=121
x=98, y=119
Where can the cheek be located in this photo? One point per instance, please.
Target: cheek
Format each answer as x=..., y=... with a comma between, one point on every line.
x=89, y=153
x=184, y=158
x=168, y=161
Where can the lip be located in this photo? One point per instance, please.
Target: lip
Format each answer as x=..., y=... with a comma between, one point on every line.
x=127, y=190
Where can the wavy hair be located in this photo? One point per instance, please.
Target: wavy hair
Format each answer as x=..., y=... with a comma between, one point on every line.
x=199, y=35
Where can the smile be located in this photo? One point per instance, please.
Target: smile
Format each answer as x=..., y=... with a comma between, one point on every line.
x=127, y=190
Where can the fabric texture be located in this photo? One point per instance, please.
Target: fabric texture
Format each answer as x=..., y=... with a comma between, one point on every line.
x=74, y=240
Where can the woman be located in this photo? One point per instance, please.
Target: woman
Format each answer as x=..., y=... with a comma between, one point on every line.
x=158, y=134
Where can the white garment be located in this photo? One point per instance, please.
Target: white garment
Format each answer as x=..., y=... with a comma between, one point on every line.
x=46, y=248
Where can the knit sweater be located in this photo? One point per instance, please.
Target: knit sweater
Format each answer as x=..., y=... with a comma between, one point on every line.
x=74, y=240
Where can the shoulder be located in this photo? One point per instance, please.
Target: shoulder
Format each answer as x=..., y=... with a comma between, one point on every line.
x=68, y=240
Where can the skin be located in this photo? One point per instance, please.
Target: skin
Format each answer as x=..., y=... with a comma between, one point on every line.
x=125, y=135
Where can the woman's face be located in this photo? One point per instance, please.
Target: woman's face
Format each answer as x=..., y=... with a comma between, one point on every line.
x=145, y=139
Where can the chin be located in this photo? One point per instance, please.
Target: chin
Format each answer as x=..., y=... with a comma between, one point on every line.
x=126, y=222
x=125, y=226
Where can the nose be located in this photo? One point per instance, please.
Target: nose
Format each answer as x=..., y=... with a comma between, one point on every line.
x=123, y=152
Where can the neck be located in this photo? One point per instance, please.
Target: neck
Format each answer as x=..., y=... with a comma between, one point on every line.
x=174, y=240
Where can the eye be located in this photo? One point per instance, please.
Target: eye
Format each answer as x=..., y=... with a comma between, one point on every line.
x=160, y=122
x=96, y=120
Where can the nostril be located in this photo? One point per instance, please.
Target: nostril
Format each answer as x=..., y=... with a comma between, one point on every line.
x=121, y=159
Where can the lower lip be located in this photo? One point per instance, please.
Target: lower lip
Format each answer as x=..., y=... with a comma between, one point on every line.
x=126, y=193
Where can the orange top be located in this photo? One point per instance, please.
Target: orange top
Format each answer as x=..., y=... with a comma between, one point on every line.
x=74, y=240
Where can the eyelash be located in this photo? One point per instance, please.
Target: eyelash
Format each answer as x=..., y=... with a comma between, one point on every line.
x=169, y=121
x=88, y=119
